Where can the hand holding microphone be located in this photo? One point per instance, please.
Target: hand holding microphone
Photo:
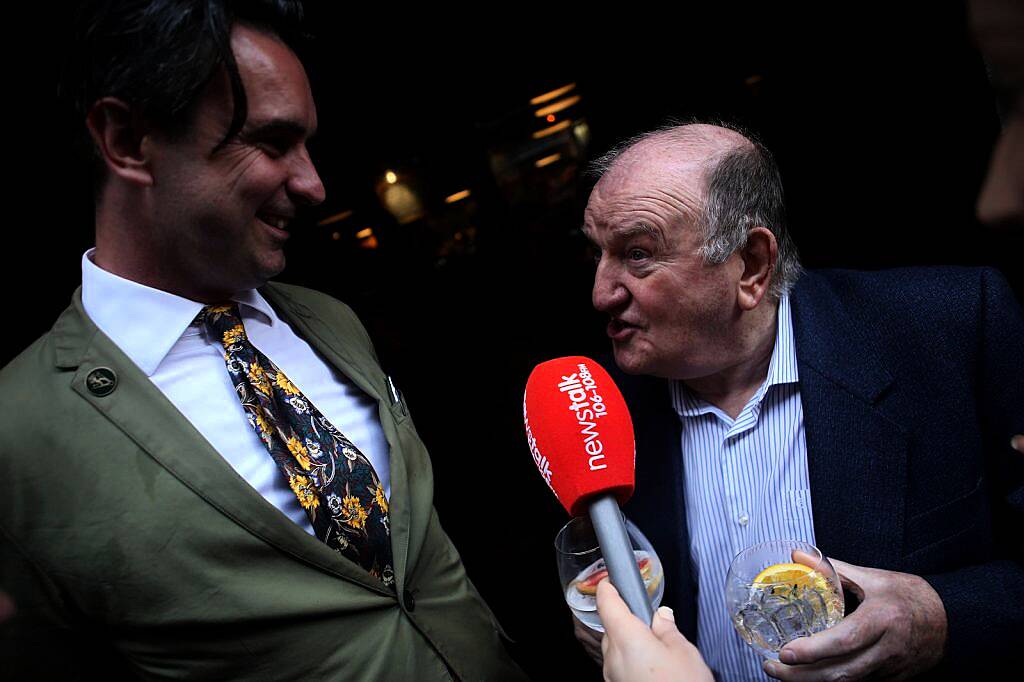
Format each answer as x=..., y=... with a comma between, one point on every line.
x=634, y=653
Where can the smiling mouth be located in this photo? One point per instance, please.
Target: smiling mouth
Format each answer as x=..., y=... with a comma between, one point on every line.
x=275, y=220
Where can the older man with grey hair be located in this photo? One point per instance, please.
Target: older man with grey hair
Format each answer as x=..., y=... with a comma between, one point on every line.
x=869, y=414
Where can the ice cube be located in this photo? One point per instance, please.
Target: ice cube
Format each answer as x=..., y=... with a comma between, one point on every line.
x=761, y=630
x=792, y=620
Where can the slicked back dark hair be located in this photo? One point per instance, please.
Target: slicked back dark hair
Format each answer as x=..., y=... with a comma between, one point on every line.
x=158, y=55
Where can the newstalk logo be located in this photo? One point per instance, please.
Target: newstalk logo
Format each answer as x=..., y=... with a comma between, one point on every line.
x=543, y=465
x=587, y=403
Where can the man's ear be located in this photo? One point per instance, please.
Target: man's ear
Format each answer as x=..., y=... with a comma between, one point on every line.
x=759, y=257
x=119, y=135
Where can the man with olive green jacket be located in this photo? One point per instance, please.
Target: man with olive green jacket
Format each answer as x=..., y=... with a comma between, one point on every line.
x=181, y=499
x=121, y=526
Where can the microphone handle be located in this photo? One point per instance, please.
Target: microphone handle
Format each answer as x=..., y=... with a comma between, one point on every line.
x=618, y=556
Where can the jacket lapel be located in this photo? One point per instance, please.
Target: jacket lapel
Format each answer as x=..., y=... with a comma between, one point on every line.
x=857, y=457
x=152, y=422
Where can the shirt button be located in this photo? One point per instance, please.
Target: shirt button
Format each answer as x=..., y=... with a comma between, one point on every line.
x=743, y=519
x=410, y=601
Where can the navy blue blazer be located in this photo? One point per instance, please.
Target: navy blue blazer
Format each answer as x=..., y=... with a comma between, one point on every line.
x=912, y=383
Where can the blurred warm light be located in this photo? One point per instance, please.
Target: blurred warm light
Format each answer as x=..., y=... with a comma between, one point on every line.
x=551, y=130
x=458, y=196
x=753, y=80
x=336, y=236
x=391, y=177
x=550, y=118
x=366, y=238
x=547, y=160
x=560, y=105
x=336, y=218
x=402, y=202
x=548, y=96
x=582, y=132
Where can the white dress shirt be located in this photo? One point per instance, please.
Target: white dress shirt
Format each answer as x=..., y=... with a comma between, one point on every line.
x=155, y=330
x=746, y=482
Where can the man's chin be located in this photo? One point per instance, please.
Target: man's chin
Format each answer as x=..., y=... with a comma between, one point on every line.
x=257, y=277
x=271, y=266
x=631, y=361
x=628, y=361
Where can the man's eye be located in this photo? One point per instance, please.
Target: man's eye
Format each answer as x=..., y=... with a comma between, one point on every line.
x=636, y=254
x=274, y=148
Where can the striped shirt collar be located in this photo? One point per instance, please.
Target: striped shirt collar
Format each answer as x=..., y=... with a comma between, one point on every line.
x=142, y=321
x=782, y=369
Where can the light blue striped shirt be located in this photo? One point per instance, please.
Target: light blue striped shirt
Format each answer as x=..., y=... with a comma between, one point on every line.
x=745, y=482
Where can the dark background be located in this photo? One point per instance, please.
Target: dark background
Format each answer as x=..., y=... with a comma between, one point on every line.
x=882, y=122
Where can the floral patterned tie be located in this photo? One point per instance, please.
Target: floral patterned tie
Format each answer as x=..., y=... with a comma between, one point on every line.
x=332, y=479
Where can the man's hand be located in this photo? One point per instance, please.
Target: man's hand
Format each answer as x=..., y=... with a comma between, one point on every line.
x=1017, y=443
x=635, y=653
x=898, y=630
x=590, y=639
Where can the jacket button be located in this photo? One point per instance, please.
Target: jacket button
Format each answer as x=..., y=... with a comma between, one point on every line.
x=101, y=381
x=408, y=600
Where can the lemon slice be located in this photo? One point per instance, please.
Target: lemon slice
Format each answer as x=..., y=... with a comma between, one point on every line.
x=784, y=573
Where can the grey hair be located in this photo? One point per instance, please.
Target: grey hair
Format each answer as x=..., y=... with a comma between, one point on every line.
x=743, y=189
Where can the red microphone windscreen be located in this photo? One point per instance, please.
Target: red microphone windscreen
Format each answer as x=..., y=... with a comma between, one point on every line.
x=579, y=431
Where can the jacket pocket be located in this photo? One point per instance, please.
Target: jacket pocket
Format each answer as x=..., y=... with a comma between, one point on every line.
x=945, y=522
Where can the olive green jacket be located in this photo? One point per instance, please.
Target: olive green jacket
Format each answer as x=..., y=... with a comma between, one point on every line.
x=125, y=536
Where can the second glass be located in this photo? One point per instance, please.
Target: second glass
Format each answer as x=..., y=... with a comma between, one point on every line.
x=780, y=590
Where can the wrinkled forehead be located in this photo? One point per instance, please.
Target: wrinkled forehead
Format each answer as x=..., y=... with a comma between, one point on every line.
x=658, y=190
x=271, y=75
x=639, y=175
x=262, y=54
x=658, y=185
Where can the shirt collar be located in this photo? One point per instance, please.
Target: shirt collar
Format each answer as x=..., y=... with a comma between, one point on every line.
x=782, y=369
x=145, y=322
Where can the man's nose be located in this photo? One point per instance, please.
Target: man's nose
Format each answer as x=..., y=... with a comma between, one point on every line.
x=304, y=184
x=609, y=294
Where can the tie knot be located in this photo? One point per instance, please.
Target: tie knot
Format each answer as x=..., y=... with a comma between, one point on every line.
x=224, y=323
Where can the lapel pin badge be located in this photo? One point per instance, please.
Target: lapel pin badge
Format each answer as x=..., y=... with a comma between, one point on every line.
x=101, y=381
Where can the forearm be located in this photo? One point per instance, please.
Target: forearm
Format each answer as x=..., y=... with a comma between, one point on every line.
x=983, y=611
